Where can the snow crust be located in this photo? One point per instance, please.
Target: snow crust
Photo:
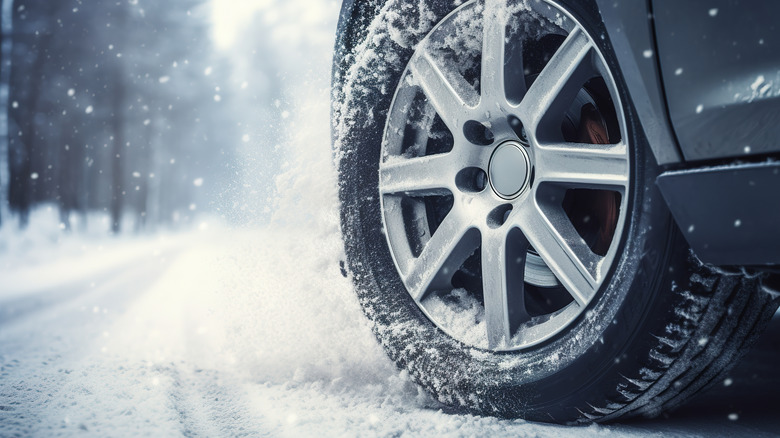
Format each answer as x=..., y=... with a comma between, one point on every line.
x=461, y=315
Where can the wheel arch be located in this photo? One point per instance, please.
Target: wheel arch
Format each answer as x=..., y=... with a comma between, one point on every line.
x=630, y=30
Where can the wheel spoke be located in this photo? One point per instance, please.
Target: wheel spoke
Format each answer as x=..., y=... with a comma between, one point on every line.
x=493, y=52
x=422, y=176
x=583, y=164
x=560, y=80
x=397, y=122
x=514, y=72
x=453, y=241
x=503, y=266
x=554, y=238
x=449, y=96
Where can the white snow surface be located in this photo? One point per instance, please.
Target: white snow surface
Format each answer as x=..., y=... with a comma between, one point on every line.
x=219, y=333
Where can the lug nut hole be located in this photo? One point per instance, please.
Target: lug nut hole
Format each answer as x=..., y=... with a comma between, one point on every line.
x=477, y=133
x=498, y=216
x=471, y=179
x=519, y=129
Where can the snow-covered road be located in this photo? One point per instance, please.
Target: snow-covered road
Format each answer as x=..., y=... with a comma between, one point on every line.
x=232, y=333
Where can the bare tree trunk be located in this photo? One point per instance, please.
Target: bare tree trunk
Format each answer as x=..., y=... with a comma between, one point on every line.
x=19, y=193
x=118, y=192
x=145, y=166
x=68, y=177
x=153, y=198
x=21, y=147
x=6, y=46
x=117, y=160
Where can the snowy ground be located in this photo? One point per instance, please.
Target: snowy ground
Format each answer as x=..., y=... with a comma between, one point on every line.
x=253, y=332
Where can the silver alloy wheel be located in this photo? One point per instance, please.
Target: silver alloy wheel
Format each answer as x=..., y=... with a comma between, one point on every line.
x=498, y=184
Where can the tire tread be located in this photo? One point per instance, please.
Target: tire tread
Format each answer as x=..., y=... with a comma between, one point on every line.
x=718, y=318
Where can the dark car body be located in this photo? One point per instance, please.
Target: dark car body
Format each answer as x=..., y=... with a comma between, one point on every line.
x=705, y=81
x=708, y=96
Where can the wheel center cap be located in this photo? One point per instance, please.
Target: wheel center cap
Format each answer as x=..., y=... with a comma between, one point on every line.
x=509, y=169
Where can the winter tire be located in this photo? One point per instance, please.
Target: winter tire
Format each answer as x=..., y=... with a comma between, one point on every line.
x=501, y=221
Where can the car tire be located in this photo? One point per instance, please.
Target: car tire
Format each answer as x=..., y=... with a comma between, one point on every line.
x=660, y=327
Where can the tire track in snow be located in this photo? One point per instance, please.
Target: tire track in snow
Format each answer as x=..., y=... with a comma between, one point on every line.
x=40, y=350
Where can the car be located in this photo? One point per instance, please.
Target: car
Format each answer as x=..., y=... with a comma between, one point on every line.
x=560, y=210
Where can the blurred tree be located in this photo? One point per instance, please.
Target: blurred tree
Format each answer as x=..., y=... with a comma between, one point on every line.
x=123, y=107
x=6, y=41
x=30, y=52
x=118, y=23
